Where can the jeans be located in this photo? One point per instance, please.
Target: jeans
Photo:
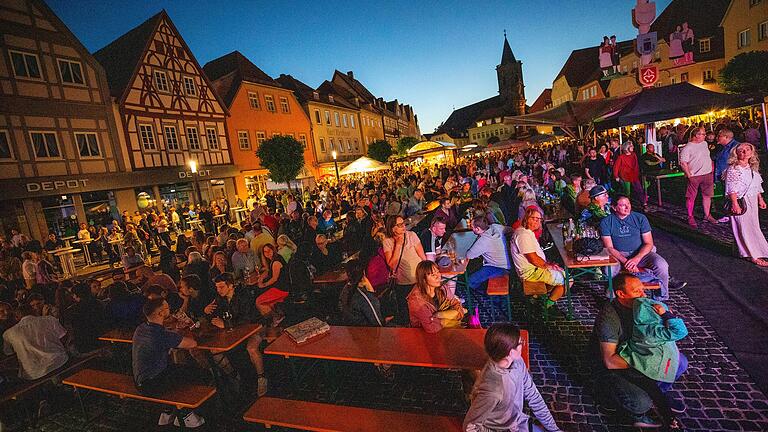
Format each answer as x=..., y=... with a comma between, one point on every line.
x=483, y=274
x=656, y=268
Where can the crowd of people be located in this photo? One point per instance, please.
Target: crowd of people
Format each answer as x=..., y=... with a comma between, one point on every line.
x=261, y=270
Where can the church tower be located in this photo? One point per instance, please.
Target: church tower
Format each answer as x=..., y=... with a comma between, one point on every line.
x=510, y=76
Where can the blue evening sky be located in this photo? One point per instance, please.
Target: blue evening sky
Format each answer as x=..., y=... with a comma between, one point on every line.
x=433, y=55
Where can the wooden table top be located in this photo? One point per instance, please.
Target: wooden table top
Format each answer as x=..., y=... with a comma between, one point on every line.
x=601, y=260
x=332, y=277
x=215, y=340
x=448, y=348
x=453, y=269
x=67, y=251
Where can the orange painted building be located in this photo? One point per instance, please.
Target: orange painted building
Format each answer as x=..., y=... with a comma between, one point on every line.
x=259, y=108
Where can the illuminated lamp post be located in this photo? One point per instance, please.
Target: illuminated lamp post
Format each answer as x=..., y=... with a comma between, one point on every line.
x=335, y=165
x=193, y=168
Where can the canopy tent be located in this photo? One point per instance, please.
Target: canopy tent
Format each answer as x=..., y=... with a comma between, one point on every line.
x=430, y=146
x=363, y=165
x=573, y=116
x=673, y=101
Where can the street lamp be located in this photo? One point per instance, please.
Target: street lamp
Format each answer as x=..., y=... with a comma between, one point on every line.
x=193, y=168
x=335, y=165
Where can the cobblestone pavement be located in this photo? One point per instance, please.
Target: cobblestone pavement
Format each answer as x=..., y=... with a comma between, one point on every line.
x=719, y=394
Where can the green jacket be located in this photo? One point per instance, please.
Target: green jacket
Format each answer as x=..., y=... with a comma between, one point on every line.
x=652, y=349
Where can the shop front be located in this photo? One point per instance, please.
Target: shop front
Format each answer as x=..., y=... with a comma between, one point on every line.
x=38, y=205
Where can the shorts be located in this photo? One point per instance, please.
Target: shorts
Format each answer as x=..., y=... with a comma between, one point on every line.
x=547, y=275
x=704, y=182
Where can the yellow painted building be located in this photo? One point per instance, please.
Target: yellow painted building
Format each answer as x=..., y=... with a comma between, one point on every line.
x=745, y=27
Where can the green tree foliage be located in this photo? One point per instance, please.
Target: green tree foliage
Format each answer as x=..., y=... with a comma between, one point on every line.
x=746, y=73
x=405, y=143
x=283, y=156
x=380, y=150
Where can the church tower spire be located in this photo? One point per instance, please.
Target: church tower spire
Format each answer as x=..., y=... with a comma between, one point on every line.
x=510, y=76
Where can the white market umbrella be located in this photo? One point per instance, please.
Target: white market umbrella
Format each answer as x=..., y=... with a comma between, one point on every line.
x=362, y=165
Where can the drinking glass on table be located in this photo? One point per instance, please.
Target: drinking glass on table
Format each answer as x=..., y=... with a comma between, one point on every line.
x=227, y=317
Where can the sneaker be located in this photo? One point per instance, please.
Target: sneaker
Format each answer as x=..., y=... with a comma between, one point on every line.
x=191, y=420
x=675, y=405
x=165, y=419
x=261, y=386
x=645, y=422
x=676, y=284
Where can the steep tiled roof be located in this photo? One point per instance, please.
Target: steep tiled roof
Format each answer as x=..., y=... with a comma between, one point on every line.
x=583, y=64
x=463, y=118
x=544, y=100
x=120, y=57
x=229, y=70
x=330, y=94
x=356, y=86
x=302, y=91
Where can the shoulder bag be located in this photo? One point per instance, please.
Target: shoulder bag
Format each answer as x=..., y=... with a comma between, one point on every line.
x=728, y=204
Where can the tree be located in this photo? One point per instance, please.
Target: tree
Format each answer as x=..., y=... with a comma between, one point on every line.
x=746, y=73
x=283, y=156
x=380, y=150
x=405, y=143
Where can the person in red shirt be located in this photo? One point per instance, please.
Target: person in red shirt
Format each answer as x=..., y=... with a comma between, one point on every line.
x=270, y=221
x=626, y=171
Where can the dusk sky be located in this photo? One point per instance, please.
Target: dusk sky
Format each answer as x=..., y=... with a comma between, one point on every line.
x=435, y=56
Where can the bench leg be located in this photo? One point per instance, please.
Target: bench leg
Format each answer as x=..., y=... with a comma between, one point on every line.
x=80, y=401
x=568, y=293
x=178, y=415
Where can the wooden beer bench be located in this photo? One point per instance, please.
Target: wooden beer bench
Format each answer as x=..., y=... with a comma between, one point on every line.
x=313, y=416
x=14, y=390
x=499, y=286
x=181, y=396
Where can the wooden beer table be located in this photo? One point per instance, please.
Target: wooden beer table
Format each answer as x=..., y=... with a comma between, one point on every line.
x=215, y=340
x=575, y=267
x=446, y=349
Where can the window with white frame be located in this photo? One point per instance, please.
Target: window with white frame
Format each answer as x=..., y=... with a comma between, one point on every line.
x=190, y=89
x=213, y=138
x=762, y=31
x=147, y=137
x=284, y=107
x=708, y=75
x=193, y=138
x=5, y=146
x=327, y=117
x=244, y=140
x=87, y=144
x=349, y=146
x=357, y=147
x=352, y=121
x=161, y=81
x=303, y=139
x=330, y=144
x=322, y=145
x=341, y=145
x=743, y=39
x=71, y=72
x=344, y=120
x=45, y=144
x=317, y=117
x=336, y=119
x=171, y=137
x=275, y=134
x=705, y=45
x=270, y=101
x=253, y=100
x=25, y=65
x=261, y=136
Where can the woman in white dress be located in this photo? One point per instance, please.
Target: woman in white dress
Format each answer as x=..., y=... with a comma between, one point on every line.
x=742, y=179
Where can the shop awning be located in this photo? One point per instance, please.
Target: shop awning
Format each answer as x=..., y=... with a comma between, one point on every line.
x=673, y=101
x=362, y=165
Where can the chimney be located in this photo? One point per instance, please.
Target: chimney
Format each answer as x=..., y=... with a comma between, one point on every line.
x=351, y=74
x=315, y=95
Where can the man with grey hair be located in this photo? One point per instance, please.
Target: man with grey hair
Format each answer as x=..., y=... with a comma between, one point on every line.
x=244, y=260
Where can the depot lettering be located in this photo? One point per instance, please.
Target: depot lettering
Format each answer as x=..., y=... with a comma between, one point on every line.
x=57, y=185
x=190, y=174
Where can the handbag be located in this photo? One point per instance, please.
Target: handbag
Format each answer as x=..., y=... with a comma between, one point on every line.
x=587, y=246
x=387, y=296
x=728, y=204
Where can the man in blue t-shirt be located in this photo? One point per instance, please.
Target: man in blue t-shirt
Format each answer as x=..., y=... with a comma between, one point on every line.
x=627, y=237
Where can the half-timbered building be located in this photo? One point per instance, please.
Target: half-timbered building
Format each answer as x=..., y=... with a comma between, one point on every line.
x=58, y=137
x=171, y=118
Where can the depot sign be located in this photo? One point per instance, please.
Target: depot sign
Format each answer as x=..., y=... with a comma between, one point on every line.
x=67, y=185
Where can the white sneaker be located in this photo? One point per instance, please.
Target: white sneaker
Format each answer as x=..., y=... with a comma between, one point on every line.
x=165, y=419
x=191, y=420
x=261, y=386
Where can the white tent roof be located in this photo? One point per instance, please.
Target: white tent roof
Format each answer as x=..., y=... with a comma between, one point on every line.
x=364, y=164
x=431, y=145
